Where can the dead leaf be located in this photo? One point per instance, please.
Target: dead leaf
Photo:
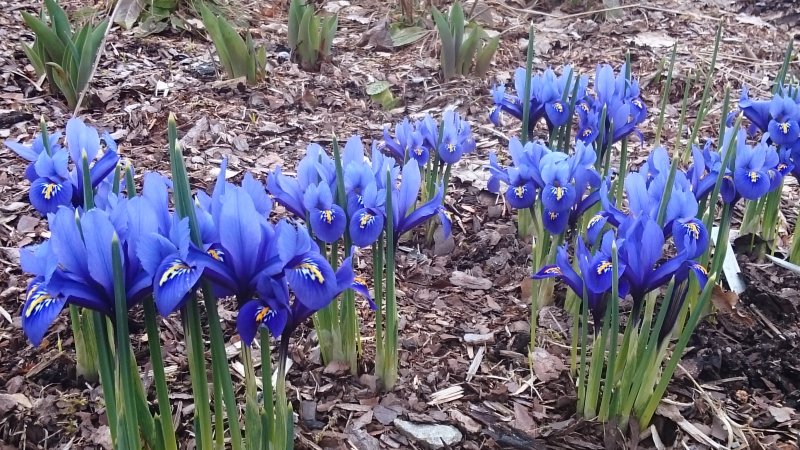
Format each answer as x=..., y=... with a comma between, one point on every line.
x=523, y=419
x=27, y=224
x=653, y=39
x=337, y=368
x=465, y=280
x=752, y=20
x=11, y=401
x=362, y=440
x=467, y=423
x=546, y=367
x=378, y=36
x=127, y=12
x=783, y=414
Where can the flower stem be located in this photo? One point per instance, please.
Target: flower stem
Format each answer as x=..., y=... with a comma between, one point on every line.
x=159, y=377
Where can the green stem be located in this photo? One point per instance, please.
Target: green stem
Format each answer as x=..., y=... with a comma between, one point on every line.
x=127, y=419
x=388, y=375
x=106, y=366
x=526, y=94
x=159, y=377
x=268, y=417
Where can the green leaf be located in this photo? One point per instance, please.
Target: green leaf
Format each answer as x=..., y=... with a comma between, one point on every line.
x=484, y=57
x=296, y=12
x=378, y=87
x=448, y=56
x=457, y=28
x=63, y=84
x=50, y=41
x=212, y=26
x=60, y=22
x=305, y=46
x=89, y=54
x=402, y=36
x=785, y=264
x=464, y=61
x=236, y=47
x=380, y=93
x=329, y=26
x=33, y=55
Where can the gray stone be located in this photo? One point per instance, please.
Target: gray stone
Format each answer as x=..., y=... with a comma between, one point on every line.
x=430, y=436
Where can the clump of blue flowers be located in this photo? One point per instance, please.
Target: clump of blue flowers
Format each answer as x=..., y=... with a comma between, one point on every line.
x=550, y=98
x=55, y=170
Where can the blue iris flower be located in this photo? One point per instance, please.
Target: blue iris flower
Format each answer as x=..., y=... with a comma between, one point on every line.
x=751, y=175
x=549, y=97
x=53, y=184
x=520, y=182
x=406, y=213
x=316, y=167
x=594, y=275
x=561, y=180
x=456, y=139
x=328, y=220
x=779, y=116
x=621, y=100
x=783, y=126
x=408, y=142
x=74, y=265
x=274, y=309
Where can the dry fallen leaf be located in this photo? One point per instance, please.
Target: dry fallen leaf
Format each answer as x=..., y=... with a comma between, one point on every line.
x=783, y=414
x=465, y=280
x=653, y=39
x=546, y=367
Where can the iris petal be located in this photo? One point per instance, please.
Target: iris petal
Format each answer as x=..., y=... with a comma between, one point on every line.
x=255, y=314
x=365, y=227
x=784, y=132
x=313, y=281
x=328, y=224
x=47, y=195
x=521, y=197
x=690, y=236
x=555, y=222
x=558, y=198
x=595, y=227
x=39, y=311
x=174, y=280
x=751, y=184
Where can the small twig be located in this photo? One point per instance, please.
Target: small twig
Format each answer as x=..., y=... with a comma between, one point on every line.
x=96, y=59
x=767, y=322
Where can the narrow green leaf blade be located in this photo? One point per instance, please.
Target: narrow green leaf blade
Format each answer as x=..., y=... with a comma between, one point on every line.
x=296, y=12
x=212, y=26
x=51, y=42
x=484, y=58
x=402, y=36
x=467, y=52
x=236, y=47
x=329, y=27
x=448, y=56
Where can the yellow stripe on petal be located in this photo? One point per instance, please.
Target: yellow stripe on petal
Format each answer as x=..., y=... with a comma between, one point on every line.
x=217, y=254
x=310, y=269
x=365, y=219
x=40, y=298
x=50, y=190
x=263, y=314
x=694, y=230
x=604, y=267
x=177, y=268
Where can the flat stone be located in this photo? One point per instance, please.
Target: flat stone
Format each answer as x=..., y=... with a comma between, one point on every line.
x=430, y=436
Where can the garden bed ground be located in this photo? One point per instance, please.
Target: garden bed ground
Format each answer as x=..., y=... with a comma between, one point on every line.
x=742, y=368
